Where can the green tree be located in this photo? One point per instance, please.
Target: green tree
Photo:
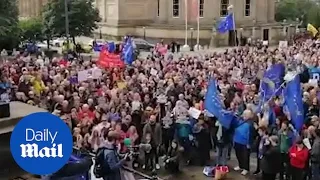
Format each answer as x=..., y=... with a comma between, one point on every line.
x=31, y=30
x=83, y=17
x=8, y=24
x=307, y=11
x=313, y=16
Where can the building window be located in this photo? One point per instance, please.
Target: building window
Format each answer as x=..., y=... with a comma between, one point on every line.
x=158, y=12
x=175, y=8
x=224, y=7
x=247, y=8
x=201, y=7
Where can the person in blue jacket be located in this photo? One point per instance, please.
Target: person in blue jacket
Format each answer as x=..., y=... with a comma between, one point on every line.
x=243, y=139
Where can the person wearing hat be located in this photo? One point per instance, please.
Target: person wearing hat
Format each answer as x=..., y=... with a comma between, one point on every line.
x=271, y=158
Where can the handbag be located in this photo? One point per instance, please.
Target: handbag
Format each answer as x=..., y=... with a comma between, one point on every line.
x=221, y=172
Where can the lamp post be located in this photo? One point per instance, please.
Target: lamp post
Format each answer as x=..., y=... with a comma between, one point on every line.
x=241, y=39
x=230, y=10
x=284, y=30
x=144, y=32
x=66, y=13
x=100, y=33
x=191, y=39
x=297, y=25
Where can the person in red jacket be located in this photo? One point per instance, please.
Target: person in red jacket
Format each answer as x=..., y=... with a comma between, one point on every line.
x=298, y=154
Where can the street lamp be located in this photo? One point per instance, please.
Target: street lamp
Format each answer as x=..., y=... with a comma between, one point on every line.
x=66, y=13
x=100, y=33
x=144, y=32
x=284, y=28
x=191, y=39
x=241, y=39
x=230, y=11
x=297, y=25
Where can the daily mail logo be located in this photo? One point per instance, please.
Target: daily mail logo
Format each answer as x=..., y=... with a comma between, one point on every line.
x=41, y=143
x=33, y=150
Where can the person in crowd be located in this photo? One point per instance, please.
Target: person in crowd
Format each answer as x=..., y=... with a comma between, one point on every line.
x=149, y=149
x=315, y=156
x=202, y=136
x=154, y=129
x=243, y=139
x=172, y=159
x=112, y=158
x=224, y=141
x=298, y=155
x=184, y=136
x=263, y=136
x=286, y=138
x=117, y=98
x=270, y=160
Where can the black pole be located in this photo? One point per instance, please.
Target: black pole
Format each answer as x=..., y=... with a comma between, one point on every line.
x=191, y=48
x=144, y=33
x=66, y=12
x=100, y=34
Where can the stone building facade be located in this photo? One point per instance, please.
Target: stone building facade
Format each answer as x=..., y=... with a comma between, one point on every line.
x=166, y=19
x=30, y=8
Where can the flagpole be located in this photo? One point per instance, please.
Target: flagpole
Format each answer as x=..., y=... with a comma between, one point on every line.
x=198, y=24
x=235, y=31
x=186, y=22
x=230, y=9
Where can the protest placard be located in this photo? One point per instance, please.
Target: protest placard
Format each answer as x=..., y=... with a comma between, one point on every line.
x=82, y=75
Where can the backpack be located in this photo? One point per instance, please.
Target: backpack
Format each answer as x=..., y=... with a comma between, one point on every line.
x=101, y=168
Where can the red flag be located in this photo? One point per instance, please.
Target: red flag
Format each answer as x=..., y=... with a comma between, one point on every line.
x=109, y=60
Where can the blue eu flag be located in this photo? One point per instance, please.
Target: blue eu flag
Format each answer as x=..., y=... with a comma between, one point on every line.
x=226, y=25
x=111, y=47
x=271, y=82
x=128, y=52
x=293, y=102
x=214, y=106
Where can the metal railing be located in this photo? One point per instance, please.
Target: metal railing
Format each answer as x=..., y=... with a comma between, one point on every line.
x=135, y=172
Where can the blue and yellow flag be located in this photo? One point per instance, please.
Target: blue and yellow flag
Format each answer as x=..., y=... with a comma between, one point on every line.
x=215, y=107
x=293, y=102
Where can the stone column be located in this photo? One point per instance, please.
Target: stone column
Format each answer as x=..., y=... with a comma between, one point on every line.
x=105, y=9
x=20, y=7
x=29, y=8
x=271, y=10
x=164, y=10
x=37, y=8
x=22, y=10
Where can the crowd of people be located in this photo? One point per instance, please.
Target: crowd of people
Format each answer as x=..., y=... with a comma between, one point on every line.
x=146, y=108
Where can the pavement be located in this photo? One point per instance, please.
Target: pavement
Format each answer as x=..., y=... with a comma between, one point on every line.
x=9, y=170
x=196, y=172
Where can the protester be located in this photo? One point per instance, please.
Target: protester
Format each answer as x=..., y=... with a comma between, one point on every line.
x=172, y=159
x=243, y=139
x=298, y=155
x=263, y=136
x=112, y=160
x=270, y=158
x=315, y=156
x=153, y=100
